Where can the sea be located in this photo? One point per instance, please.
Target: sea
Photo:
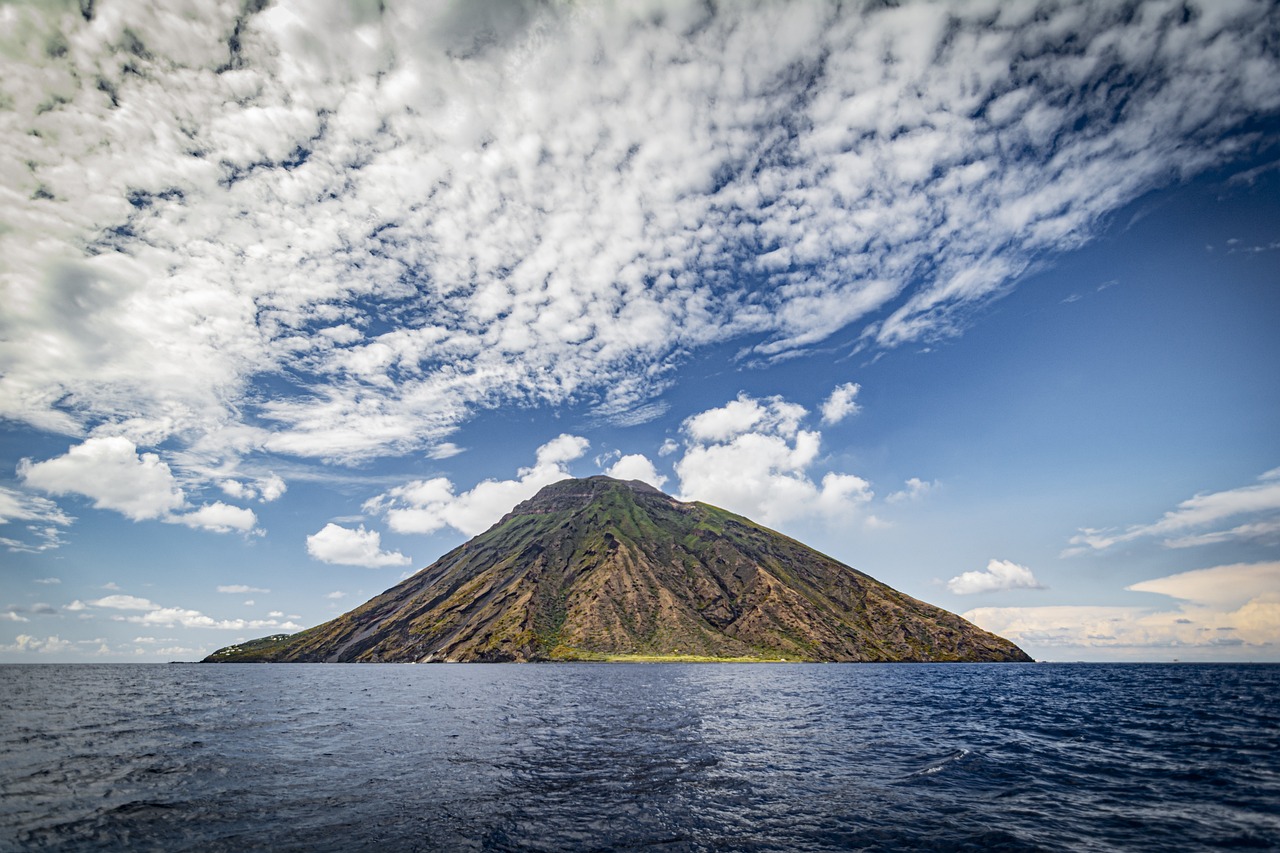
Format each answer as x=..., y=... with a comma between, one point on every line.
x=662, y=757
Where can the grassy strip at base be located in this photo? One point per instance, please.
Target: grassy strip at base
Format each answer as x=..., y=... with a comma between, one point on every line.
x=690, y=659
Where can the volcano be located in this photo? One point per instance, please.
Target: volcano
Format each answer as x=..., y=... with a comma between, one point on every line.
x=605, y=569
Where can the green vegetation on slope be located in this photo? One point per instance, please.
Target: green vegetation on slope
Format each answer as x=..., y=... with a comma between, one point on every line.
x=599, y=569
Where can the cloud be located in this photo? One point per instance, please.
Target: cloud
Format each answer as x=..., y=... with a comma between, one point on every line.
x=1230, y=606
x=998, y=576
x=346, y=547
x=336, y=594
x=841, y=403
x=1178, y=526
x=1227, y=586
x=25, y=643
x=241, y=589
x=380, y=207
x=48, y=580
x=142, y=611
x=19, y=506
x=220, y=518
x=916, y=489
x=18, y=613
x=425, y=506
x=110, y=471
x=265, y=489
x=750, y=456
x=125, y=602
x=743, y=415
x=636, y=466
x=44, y=521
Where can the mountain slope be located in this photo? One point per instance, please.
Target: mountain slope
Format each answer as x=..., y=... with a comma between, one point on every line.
x=598, y=568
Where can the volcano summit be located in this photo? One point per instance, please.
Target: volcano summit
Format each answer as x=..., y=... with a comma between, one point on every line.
x=599, y=569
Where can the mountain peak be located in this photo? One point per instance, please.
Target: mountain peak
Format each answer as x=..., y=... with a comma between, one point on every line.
x=572, y=494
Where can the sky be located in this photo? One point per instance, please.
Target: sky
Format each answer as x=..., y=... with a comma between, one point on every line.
x=980, y=298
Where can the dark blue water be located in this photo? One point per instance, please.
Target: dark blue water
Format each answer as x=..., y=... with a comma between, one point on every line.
x=627, y=756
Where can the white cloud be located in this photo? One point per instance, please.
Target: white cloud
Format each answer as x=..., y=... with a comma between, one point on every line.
x=25, y=643
x=636, y=466
x=178, y=617
x=220, y=518
x=998, y=576
x=13, y=616
x=841, y=403
x=425, y=506
x=19, y=506
x=271, y=488
x=146, y=612
x=41, y=513
x=111, y=472
x=266, y=489
x=1261, y=500
x=751, y=456
x=668, y=447
x=916, y=489
x=346, y=547
x=444, y=450
x=125, y=602
x=1228, y=586
x=744, y=415
x=336, y=594
x=1224, y=607
x=384, y=197
x=241, y=589
x=48, y=580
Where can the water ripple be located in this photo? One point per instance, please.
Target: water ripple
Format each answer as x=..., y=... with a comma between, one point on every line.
x=669, y=758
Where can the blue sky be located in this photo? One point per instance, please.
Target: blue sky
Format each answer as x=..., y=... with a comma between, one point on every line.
x=980, y=299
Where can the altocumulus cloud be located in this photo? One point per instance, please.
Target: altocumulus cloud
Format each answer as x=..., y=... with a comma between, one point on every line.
x=422, y=209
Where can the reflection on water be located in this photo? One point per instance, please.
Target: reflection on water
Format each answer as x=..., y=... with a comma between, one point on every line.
x=672, y=757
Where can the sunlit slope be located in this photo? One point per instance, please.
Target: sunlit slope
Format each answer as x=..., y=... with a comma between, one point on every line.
x=600, y=568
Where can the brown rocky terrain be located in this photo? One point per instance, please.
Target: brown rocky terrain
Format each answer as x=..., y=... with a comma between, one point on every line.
x=599, y=568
